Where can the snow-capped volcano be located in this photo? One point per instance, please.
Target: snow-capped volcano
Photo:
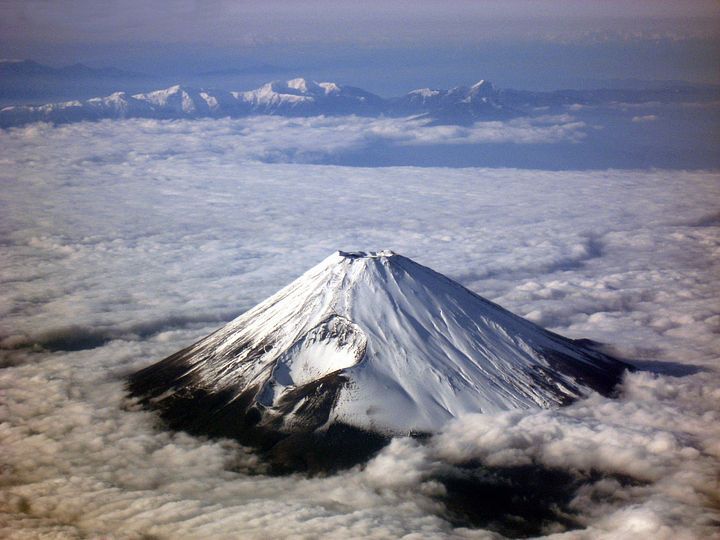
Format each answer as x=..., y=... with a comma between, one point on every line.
x=373, y=341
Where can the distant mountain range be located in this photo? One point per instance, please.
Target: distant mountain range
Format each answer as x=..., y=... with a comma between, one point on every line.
x=302, y=97
x=297, y=97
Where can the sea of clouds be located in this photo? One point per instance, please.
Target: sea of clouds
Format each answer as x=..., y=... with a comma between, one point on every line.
x=122, y=242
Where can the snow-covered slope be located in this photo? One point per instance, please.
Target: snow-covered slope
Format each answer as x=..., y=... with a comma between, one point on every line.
x=374, y=341
x=176, y=100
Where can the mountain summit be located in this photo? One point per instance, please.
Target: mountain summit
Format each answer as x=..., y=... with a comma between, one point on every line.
x=373, y=342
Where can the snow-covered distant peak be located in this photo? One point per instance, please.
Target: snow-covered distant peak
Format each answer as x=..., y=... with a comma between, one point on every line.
x=330, y=87
x=425, y=92
x=299, y=87
x=298, y=83
x=112, y=98
x=176, y=98
x=119, y=102
x=303, y=85
x=163, y=94
x=482, y=88
x=302, y=96
x=275, y=95
x=382, y=344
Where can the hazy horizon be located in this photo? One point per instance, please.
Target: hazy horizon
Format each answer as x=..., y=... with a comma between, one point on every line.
x=535, y=45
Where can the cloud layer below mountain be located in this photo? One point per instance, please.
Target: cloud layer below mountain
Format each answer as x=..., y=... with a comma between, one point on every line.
x=123, y=242
x=309, y=139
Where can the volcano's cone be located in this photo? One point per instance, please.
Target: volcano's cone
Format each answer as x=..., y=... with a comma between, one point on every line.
x=372, y=342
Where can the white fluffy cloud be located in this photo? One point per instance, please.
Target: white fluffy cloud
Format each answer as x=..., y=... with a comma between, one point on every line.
x=305, y=140
x=123, y=242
